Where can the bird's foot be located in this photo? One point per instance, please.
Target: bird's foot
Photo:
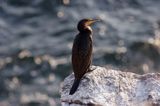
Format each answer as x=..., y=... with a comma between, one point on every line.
x=92, y=68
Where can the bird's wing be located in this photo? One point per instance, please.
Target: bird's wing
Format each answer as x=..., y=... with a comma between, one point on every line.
x=81, y=57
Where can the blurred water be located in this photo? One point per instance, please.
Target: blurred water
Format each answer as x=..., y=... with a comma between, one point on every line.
x=36, y=40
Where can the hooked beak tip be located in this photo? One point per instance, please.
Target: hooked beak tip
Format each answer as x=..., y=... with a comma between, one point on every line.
x=93, y=21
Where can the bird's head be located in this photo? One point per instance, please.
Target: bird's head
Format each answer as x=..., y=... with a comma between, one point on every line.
x=85, y=24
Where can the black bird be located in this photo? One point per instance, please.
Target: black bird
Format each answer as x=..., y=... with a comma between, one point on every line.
x=82, y=51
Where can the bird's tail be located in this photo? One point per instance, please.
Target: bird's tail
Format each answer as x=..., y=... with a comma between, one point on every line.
x=74, y=86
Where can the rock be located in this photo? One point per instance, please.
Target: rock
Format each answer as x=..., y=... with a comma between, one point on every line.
x=109, y=87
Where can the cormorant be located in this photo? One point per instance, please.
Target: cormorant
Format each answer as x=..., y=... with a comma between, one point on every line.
x=82, y=51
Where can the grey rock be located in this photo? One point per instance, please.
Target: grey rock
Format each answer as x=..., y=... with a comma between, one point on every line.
x=110, y=87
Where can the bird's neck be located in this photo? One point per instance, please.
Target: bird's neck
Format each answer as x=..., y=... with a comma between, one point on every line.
x=87, y=30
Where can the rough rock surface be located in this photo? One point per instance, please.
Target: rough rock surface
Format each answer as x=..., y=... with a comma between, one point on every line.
x=109, y=87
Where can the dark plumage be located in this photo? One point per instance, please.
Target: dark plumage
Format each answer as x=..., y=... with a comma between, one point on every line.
x=82, y=52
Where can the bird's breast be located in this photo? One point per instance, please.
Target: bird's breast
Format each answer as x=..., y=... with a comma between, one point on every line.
x=85, y=43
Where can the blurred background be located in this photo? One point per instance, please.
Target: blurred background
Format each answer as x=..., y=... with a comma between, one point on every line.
x=36, y=39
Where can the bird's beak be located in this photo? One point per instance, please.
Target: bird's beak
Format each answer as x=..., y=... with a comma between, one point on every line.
x=92, y=21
